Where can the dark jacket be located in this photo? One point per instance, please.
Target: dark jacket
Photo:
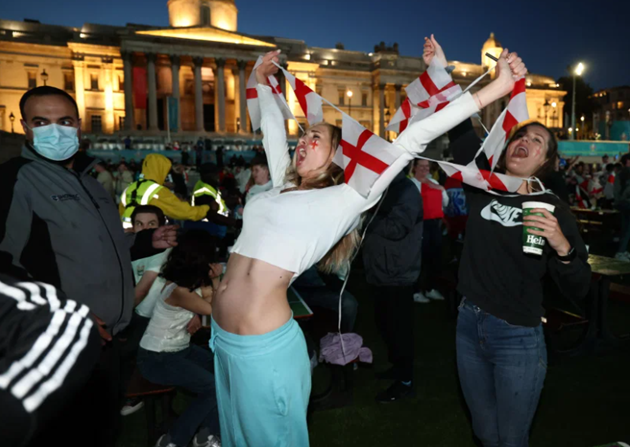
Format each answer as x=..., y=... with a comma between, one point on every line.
x=59, y=226
x=392, y=251
x=494, y=273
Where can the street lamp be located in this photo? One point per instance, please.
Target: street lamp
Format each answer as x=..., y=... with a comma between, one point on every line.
x=12, y=118
x=582, y=119
x=579, y=69
x=546, y=106
x=349, y=95
x=554, y=105
x=44, y=76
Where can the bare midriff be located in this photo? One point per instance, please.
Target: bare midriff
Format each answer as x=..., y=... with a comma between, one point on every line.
x=252, y=297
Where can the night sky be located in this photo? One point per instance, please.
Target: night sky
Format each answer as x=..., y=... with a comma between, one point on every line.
x=547, y=34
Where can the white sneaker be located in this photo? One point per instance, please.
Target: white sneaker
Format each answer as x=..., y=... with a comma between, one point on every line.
x=435, y=295
x=622, y=257
x=420, y=298
x=131, y=406
x=212, y=441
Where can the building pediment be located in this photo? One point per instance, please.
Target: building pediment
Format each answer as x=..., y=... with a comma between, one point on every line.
x=206, y=34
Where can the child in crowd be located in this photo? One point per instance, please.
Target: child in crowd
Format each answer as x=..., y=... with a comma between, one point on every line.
x=166, y=356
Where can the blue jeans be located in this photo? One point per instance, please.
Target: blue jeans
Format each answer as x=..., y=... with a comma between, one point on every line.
x=190, y=369
x=501, y=368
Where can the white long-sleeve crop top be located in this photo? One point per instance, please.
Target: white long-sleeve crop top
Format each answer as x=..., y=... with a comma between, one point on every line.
x=294, y=230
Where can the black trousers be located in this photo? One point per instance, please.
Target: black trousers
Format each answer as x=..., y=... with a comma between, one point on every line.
x=394, y=312
x=431, y=253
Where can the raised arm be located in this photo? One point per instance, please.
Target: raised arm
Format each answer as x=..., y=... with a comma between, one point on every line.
x=274, y=135
x=272, y=121
x=417, y=136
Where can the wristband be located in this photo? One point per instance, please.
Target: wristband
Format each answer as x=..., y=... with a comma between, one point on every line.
x=569, y=257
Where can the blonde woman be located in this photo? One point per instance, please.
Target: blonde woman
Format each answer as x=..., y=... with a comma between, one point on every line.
x=309, y=217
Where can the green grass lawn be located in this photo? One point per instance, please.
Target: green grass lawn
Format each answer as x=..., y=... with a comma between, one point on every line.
x=585, y=402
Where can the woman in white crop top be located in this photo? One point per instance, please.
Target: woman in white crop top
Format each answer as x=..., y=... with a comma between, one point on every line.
x=285, y=231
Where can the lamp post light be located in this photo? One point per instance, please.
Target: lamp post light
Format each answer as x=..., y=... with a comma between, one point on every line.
x=349, y=95
x=546, y=106
x=582, y=119
x=554, y=117
x=579, y=69
x=44, y=76
x=12, y=119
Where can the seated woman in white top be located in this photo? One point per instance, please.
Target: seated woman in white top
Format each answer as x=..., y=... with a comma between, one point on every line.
x=166, y=356
x=310, y=216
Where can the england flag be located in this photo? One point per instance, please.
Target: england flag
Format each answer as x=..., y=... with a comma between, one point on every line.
x=252, y=97
x=363, y=155
x=310, y=101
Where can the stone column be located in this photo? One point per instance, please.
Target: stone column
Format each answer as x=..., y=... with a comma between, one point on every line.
x=78, y=61
x=109, y=126
x=242, y=95
x=151, y=83
x=175, y=61
x=220, y=85
x=381, y=110
x=128, y=74
x=397, y=87
x=198, y=62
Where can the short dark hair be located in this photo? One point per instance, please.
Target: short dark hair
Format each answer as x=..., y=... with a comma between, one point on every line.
x=260, y=160
x=149, y=209
x=624, y=159
x=188, y=264
x=46, y=90
x=610, y=167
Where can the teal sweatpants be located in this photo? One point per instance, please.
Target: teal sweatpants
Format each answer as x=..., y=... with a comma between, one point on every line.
x=263, y=386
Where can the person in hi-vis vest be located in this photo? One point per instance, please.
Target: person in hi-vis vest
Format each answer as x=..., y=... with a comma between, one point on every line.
x=207, y=192
x=150, y=191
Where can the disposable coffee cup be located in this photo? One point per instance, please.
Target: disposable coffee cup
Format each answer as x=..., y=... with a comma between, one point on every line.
x=532, y=243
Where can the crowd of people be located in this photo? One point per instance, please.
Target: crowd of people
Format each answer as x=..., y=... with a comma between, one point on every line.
x=142, y=254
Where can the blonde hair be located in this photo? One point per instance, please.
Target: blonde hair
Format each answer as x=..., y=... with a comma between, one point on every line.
x=340, y=255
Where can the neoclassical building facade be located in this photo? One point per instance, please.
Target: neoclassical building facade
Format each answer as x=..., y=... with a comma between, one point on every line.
x=189, y=78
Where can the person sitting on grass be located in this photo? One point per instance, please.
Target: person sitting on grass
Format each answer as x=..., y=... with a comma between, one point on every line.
x=166, y=356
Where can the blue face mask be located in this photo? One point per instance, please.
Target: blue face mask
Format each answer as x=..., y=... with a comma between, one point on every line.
x=55, y=142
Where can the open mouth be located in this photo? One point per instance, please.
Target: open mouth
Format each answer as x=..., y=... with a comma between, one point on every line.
x=520, y=152
x=300, y=154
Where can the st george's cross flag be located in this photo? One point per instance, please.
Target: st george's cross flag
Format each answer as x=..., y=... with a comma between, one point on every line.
x=427, y=94
x=363, y=155
x=515, y=113
x=252, y=97
x=483, y=179
x=310, y=102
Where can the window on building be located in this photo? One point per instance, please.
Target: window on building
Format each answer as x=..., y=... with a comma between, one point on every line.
x=121, y=83
x=620, y=105
x=121, y=123
x=68, y=81
x=93, y=81
x=97, y=125
x=32, y=80
x=318, y=89
x=364, y=99
x=342, y=96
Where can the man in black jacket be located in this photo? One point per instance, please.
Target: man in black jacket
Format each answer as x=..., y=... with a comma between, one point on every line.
x=392, y=256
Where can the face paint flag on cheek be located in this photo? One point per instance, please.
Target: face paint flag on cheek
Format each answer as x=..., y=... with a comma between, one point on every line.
x=252, y=97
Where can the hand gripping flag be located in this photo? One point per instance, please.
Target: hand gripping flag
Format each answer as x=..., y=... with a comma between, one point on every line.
x=516, y=112
x=252, y=97
x=429, y=93
x=310, y=101
x=363, y=155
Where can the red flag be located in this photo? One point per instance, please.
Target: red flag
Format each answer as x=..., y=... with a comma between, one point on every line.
x=140, y=87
